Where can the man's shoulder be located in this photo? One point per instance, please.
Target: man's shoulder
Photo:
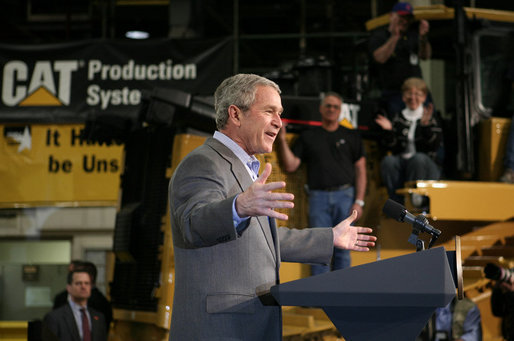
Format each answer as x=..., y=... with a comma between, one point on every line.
x=349, y=132
x=205, y=158
x=60, y=311
x=313, y=131
x=98, y=297
x=209, y=147
x=60, y=299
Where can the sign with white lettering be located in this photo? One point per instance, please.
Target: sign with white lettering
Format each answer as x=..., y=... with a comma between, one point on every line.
x=62, y=83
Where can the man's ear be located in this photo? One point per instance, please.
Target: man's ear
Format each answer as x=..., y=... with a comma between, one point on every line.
x=234, y=115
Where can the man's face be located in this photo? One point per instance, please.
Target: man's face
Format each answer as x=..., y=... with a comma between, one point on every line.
x=330, y=109
x=260, y=124
x=413, y=98
x=80, y=288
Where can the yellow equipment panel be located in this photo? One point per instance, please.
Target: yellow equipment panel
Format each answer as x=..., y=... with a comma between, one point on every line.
x=465, y=200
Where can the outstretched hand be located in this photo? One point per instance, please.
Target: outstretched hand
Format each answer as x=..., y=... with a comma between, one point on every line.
x=383, y=122
x=353, y=238
x=260, y=200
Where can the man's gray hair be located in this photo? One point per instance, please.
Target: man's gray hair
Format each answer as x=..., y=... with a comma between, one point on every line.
x=330, y=93
x=238, y=90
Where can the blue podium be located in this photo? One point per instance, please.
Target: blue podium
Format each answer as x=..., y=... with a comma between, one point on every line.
x=389, y=299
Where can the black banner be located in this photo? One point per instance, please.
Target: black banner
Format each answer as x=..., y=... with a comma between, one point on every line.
x=62, y=83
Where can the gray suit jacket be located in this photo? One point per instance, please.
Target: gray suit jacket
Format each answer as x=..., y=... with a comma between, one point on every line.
x=218, y=272
x=62, y=324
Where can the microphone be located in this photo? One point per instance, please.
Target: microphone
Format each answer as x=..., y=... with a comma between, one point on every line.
x=397, y=211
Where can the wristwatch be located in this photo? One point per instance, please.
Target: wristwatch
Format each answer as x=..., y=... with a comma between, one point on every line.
x=359, y=202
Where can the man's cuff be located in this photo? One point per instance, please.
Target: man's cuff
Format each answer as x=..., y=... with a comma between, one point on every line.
x=237, y=220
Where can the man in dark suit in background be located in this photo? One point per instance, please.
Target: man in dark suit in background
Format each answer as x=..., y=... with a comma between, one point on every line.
x=97, y=300
x=75, y=321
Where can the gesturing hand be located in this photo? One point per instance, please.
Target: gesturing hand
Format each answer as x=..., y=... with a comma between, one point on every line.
x=427, y=114
x=384, y=122
x=260, y=200
x=282, y=133
x=351, y=237
x=424, y=27
x=394, y=26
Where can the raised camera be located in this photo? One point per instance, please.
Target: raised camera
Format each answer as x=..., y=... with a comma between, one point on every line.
x=498, y=273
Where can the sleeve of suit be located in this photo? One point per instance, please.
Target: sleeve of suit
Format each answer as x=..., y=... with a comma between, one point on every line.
x=199, y=195
x=310, y=245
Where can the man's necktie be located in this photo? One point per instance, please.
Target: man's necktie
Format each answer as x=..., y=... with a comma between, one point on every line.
x=86, y=332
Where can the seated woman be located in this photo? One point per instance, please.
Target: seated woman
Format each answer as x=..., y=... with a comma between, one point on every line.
x=413, y=136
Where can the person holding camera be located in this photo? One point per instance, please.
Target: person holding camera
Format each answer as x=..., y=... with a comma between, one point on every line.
x=502, y=304
x=396, y=51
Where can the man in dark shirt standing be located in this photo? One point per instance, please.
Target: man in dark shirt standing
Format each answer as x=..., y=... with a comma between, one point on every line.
x=397, y=49
x=336, y=171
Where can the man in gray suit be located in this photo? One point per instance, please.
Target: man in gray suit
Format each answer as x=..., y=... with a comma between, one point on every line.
x=226, y=244
x=75, y=321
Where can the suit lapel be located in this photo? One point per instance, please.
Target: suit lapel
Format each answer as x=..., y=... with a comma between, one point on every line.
x=238, y=169
x=69, y=318
x=244, y=180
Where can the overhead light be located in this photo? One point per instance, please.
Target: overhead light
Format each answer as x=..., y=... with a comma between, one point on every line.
x=137, y=35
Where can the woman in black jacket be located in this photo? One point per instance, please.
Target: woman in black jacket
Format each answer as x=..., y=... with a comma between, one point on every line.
x=413, y=137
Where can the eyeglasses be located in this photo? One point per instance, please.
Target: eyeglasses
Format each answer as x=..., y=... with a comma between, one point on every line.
x=333, y=106
x=413, y=93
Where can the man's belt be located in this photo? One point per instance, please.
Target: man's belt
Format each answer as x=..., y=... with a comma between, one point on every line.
x=336, y=188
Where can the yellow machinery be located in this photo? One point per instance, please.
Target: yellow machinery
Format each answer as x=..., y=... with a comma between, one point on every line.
x=13, y=330
x=441, y=12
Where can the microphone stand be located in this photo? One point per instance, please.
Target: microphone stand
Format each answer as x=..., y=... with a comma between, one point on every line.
x=417, y=227
x=429, y=331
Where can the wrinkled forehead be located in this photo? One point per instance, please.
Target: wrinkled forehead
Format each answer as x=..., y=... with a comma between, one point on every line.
x=332, y=99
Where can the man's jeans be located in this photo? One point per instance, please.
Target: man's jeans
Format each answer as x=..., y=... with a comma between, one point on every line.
x=327, y=209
